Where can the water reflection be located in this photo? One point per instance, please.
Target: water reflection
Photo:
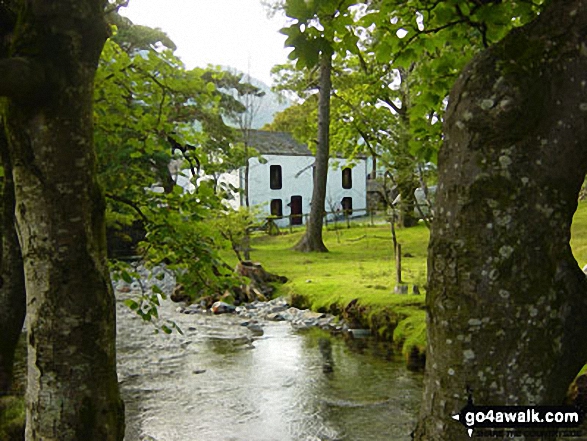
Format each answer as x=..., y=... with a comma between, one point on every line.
x=218, y=382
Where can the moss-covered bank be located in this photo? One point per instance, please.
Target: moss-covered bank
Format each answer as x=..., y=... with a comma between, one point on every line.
x=356, y=280
x=359, y=271
x=405, y=327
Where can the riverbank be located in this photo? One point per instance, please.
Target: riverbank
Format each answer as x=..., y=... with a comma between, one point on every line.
x=356, y=280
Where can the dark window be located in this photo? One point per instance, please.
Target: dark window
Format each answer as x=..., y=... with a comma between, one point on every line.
x=276, y=207
x=296, y=210
x=347, y=178
x=347, y=205
x=275, y=177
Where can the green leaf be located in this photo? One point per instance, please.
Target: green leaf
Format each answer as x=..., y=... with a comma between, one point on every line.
x=126, y=277
x=383, y=52
x=154, y=300
x=133, y=305
x=298, y=9
x=405, y=58
x=444, y=13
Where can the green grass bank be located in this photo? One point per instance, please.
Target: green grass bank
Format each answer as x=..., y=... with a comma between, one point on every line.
x=356, y=279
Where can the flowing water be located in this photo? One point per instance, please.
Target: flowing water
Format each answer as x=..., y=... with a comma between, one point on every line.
x=219, y=382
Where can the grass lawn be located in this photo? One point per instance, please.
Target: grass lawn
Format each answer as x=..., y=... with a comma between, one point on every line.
x=360, y=265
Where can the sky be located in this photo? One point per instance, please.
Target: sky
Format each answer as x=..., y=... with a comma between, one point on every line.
x=235, y=33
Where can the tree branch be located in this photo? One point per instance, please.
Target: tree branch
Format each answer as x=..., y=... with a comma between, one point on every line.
x=387, y=100
x=20, y=78
x=130, y=203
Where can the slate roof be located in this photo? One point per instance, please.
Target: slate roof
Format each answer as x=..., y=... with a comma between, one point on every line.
x=277, y=143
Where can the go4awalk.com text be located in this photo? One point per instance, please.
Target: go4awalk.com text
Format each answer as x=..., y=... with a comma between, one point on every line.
x=483, y=420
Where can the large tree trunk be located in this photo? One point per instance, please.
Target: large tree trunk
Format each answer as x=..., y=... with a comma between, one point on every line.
x=312, y=239
x=12, y=292
x=507, y=301
x=72, y=389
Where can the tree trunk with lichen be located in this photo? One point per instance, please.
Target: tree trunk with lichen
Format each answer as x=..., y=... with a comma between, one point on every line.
x=72, y=388
x=12, y=292
x=312, y=238
x=506, y=299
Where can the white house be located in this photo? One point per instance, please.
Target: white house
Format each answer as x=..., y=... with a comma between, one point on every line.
x=282, y=184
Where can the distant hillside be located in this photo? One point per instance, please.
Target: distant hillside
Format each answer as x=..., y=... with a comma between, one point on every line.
x=271, y=103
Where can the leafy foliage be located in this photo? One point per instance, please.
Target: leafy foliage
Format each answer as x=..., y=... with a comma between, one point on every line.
x=182, y=235
x=234, y=226
x=153, y=120
x=395, y=62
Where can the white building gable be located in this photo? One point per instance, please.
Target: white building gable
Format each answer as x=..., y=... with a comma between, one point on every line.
x=283, y=184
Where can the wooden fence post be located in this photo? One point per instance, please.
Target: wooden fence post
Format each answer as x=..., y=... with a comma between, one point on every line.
x=398, y=263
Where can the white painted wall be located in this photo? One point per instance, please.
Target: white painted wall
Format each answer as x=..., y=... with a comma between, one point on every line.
x=297, y=180
x=296, y=172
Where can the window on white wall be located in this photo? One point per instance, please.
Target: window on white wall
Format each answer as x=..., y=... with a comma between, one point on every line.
x=276, y=207
x=347, y=178
x=275, y=177
x=347, y=205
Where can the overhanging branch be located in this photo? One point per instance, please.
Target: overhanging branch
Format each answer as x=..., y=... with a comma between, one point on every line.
x=20, y=78
x=130, y=203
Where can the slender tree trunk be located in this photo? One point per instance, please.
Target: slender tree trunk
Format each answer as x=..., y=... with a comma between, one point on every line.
x=247, y=168
x=247, y=238
x=12, y=292
x=406, y=177
x=407, y=186
x=72, y=389
x=312, y=239
x=507, y=301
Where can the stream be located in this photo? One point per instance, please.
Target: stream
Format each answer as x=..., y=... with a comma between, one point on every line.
x=219, y=381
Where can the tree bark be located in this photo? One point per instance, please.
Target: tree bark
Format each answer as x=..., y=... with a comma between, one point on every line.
x=12, y=292
x=406, y=185
x=405, y=163
x=506, y=298
x=72, y=389
x=312, y=238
